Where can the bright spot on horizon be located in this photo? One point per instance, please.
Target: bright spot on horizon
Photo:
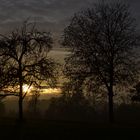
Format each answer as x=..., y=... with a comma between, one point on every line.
x=26, y=88
x=51, y=91
x=29, y=90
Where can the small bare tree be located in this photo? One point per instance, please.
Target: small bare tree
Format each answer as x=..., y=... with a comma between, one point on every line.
x=24, y=53
x=33, y=101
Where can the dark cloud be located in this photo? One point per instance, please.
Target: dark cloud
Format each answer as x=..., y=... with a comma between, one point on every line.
x=45, y=11
x=49, y=14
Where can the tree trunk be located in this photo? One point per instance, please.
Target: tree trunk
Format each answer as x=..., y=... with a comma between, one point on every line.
x=110, y=89
x=20, y=109
x=20, y=94
x=111, y=108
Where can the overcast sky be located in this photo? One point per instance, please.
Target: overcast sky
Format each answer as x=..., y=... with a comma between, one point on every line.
x=51, y=15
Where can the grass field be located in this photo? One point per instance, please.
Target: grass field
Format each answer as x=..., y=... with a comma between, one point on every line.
x=58, y=130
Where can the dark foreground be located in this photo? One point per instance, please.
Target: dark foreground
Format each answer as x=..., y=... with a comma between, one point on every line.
x=67, y=130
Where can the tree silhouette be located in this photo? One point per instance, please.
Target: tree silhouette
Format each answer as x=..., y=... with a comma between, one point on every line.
x=24, y=53
x=33, y=101
x=102, y=41
x=135, y=93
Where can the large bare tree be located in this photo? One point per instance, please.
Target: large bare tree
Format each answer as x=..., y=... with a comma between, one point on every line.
x=25, y=61
x=103, y=42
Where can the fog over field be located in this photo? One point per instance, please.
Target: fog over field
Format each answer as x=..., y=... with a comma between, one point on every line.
x=10, y=103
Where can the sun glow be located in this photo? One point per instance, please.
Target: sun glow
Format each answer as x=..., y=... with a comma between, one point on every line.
x=51, y=91
x=27, y=88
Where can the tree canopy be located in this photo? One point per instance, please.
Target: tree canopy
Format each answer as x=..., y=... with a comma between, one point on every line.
x=24, y=60
x=103, y=42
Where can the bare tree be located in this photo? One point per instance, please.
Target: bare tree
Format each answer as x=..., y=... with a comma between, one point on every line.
x=103, y=43
x=33, y=101
x=24, y=53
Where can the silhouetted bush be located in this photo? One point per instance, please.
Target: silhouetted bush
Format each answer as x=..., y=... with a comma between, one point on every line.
x=128, y=113
x=2, y=109
x=69, y=109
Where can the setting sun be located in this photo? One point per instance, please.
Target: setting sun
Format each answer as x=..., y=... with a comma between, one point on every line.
x=27, y=88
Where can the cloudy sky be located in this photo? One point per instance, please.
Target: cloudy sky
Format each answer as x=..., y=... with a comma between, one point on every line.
x=51, y=15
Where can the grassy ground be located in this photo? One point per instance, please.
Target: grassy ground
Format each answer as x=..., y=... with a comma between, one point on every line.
x=58, y=130
x=126, y=126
